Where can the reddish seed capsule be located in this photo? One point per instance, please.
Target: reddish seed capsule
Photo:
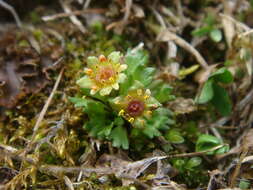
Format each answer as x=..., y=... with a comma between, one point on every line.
x=135, y=108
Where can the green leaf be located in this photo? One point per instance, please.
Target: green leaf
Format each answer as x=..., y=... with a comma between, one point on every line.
x=94, y=126
x=130, y=84
x=119, y=121
x=222, y=75
x=79, y=102
x=193, y=162
x=210, y=19
x=151, y=131
x=97, y=124
x=124, y=87
x=207, y=142
x=105, y=132
x=179, y=163
x=141, y=78
x=134, y=60
x=206, y=93
x=221, y=100
x=214, y=93
x=137, y=70
x=216, y=35
x=86, y=92
x=228, y=63
x=222, y=150
x=95, y=108
x=244, y=184
x=144, y=75
x=119, y=137
x=201, y=31
x=97, y=118
x=161, y=91
x=174, y=136
x=160, y=120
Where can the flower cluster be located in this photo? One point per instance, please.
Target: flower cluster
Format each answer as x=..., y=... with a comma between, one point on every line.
x=121, y=89
x=104, y=74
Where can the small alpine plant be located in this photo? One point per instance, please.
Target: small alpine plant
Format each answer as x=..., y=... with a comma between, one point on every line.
x=122, y=98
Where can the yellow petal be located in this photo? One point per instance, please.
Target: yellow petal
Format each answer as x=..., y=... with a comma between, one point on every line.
x=88, y=71
x=92, y=60
x=114, y=56
x=148, y=113
x=105, y=91
x=122, y=67
x=121, y=78
x=116, y=86
x=93, y=91
x=148, y=92
x=84, y=82
x=139, y=92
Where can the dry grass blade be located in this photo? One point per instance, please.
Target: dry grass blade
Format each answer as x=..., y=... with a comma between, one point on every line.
x=247, y=144
x=119, y=26
x=73, y=13
x=73, y=18
x=237, y=23
x=166, y=35
x=12, y=153
x=68, y=183
x=12, y=11
x=228, y=25
x=44, y=110
x=246, y=33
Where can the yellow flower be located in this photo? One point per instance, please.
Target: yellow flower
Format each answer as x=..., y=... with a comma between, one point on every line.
x=136, y=106
x=103, y=74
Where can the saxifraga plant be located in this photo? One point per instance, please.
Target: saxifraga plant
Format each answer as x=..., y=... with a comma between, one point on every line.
x=122, y=98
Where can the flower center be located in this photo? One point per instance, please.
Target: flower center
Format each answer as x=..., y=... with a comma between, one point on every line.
x=135, y=108
x=104, y=74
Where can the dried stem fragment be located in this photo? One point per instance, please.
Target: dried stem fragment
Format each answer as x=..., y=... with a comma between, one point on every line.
x=166, y=35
